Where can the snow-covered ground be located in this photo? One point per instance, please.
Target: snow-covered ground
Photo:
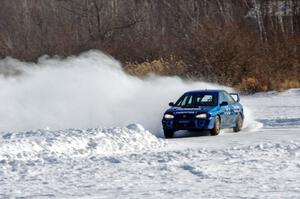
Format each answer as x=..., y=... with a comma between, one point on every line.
x=90, y=93
x=131, y=162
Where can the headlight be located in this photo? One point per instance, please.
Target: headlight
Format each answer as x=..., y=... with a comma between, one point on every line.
x=168, y=116
x=201, y=116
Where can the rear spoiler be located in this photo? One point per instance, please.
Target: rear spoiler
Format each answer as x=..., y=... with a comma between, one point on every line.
x=235, y=96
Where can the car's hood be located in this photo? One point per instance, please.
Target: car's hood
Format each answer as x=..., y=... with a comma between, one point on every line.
x=179, y=110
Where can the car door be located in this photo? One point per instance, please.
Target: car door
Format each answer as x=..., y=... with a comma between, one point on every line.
x=224, y=110
x=232, y=112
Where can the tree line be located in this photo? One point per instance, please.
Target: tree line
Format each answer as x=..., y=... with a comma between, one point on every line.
x=249, y=44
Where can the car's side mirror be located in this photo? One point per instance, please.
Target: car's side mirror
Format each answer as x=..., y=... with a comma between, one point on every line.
x=171, y=104
x=224, y=104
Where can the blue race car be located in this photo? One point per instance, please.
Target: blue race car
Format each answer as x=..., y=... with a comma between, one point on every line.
x=210, y=110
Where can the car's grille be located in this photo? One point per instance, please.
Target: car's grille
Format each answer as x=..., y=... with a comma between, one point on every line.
x=187, y=125
x=184, y=116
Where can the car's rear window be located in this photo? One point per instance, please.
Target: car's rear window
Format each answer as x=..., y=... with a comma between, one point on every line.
x=197, y=99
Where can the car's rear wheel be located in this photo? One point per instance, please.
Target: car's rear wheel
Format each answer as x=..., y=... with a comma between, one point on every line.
x=217, y=127
x=239, y=124
x=168, y=133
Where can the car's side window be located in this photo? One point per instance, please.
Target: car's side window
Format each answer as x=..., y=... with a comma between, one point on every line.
x=221, y=97
x=228, y=98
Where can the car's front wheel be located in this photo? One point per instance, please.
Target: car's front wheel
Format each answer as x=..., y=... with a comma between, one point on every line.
x=168, y=133
x=239, y=124
x=217, y=127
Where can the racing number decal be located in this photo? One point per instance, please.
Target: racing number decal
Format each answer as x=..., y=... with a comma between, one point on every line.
x=227, y=110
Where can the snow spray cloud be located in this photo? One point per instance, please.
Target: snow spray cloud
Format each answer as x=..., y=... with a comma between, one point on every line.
x=86, y=91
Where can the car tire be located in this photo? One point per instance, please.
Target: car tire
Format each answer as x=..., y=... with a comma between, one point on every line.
x=239, y=124
x=168, y=134
x=217, y=127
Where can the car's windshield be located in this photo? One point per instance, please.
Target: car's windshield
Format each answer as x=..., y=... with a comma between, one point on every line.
x=197, y=99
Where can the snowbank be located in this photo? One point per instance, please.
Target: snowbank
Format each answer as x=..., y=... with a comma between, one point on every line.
x=46, y=145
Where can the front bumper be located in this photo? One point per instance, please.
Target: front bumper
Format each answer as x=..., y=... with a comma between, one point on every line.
x=188, y=124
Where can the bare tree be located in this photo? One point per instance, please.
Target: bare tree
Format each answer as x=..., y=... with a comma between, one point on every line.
x=245, y=38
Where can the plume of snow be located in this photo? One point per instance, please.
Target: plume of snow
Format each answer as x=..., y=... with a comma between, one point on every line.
x=86, y=91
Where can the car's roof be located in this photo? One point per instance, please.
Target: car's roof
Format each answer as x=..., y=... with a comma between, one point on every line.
x=205, y=91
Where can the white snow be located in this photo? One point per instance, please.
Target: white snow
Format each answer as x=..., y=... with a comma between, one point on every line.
x=128, y=161
x=44, y=145
x=131, y=162
x=276, y=110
